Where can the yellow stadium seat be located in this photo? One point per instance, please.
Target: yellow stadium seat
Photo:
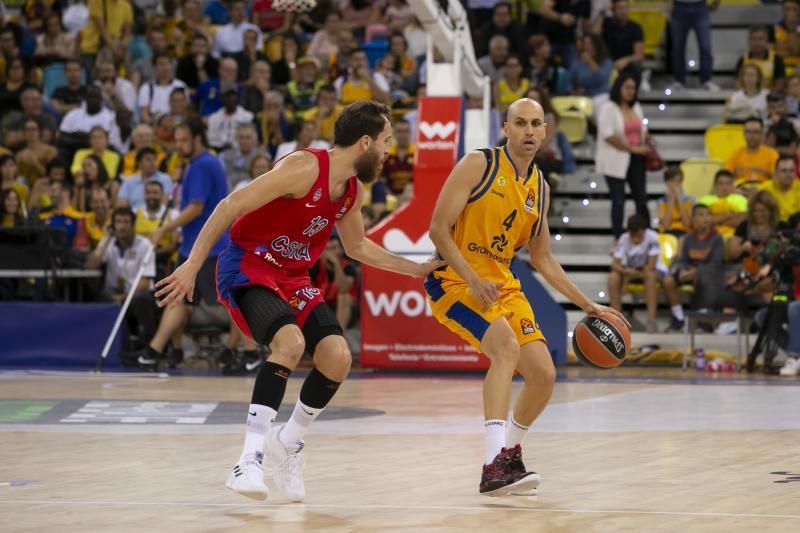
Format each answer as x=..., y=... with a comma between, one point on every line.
x=669, y=247
x=573, y=124
x=698, y=176
x=724, y=139
x=581, y=104
x=653, y=23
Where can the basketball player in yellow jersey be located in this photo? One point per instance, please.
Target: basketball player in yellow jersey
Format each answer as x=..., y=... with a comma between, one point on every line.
x=494, y=202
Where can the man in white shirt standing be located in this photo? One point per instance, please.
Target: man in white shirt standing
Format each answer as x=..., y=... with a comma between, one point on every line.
x=306, y=138
x=222, y=123
x=154, y=96
x=123, y=253
x=229, y=39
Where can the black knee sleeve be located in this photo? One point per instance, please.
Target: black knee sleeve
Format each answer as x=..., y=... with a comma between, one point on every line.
x=321, y=322
x=264, y=311
x=318, y=390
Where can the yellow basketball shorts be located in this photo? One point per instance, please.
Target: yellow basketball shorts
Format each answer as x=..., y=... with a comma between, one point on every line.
x=454, y=305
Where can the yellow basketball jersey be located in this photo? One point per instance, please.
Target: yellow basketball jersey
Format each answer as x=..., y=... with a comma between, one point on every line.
x=503, y=212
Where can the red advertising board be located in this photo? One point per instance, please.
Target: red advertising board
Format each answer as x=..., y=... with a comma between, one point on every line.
x=397, y=329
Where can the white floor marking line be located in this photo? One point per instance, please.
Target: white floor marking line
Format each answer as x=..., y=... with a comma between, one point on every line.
x=495, y=507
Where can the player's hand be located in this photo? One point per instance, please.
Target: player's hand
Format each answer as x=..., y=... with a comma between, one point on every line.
x=488, y=292
x=597, y=309
x=423, y=269
x=178, y=285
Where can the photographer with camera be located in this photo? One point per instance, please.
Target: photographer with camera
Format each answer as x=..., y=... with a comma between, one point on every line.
x=780, y=276
x=124, y=253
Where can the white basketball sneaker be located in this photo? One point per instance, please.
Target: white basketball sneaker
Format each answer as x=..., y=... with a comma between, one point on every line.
x=247, y=477
x=287, y=465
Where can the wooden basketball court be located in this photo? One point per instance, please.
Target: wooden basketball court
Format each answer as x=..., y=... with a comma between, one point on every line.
x=617, y=451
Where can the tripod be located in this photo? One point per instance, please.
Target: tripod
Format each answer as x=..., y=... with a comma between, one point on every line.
x=777, y=315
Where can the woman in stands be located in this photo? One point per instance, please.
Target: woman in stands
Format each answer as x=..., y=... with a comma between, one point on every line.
x=93, y=173
x=621, y=146
x=751, y=97
x=12, y=209
x=591, y=72
x=9, y=178
x=763, y=222
x=555, y=155
x=512, y=85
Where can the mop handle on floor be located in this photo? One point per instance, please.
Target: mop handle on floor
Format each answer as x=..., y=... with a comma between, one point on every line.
x=123, y=310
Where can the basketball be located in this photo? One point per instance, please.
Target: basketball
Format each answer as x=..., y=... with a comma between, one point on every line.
x=601, y=341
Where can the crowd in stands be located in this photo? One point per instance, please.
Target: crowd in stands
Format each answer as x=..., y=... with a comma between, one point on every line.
x=94, y=93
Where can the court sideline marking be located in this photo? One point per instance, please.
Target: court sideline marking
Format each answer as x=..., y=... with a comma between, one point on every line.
x=301, y=506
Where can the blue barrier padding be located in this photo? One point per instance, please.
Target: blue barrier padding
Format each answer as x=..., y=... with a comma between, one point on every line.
x=57, y=334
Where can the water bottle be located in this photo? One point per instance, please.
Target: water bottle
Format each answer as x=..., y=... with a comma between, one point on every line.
x=700, y=359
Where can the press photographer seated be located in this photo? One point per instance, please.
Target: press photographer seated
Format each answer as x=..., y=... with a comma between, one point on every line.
x=123, y=253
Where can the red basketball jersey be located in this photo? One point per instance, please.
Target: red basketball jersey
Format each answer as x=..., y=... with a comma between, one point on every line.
x=290, y=233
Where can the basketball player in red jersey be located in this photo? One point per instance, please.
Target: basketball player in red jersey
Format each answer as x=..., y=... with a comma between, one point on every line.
x=281, y=223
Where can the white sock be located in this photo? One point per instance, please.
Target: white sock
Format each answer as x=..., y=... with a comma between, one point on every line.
x=515, y=432
x=259, y=419
x=677, y=311
x=296, y=427
x=495, y=438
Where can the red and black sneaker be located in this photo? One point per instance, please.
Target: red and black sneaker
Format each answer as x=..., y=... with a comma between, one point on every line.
x=528, y=480
x=501, y=477
x=496, y=475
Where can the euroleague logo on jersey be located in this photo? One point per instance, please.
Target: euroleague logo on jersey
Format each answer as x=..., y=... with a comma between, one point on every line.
x=347, y=203
x=526, y=325
x=530, y=201
x=440, y=136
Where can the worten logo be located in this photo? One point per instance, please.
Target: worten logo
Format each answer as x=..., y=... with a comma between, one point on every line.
x=440, y=136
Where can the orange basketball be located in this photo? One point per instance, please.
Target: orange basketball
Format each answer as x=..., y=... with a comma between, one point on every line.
x=601, y=341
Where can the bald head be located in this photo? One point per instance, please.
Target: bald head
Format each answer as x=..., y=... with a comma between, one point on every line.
x=525, y=107
x=525, y=127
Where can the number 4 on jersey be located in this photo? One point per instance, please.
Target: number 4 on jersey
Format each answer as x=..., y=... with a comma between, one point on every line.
x=509, y=221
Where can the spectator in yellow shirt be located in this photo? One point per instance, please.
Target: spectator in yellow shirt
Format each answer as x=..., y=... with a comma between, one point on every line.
x=98, y=145
x=142, y=136
x=728, y=208
x=752, y=164
x=784, y=187
x=98, y=221
x=675, y=209
x=110, y=25
x=325, y=112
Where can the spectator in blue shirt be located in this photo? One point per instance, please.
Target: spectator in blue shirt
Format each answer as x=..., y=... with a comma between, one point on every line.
x=591, y=73
x=209, y=93
x=132, y=191
x=203, y=187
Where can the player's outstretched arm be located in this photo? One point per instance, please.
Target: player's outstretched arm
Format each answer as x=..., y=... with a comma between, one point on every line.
x=453, y=197
x=543, y=261
x=292, y=177
x=357, y=246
